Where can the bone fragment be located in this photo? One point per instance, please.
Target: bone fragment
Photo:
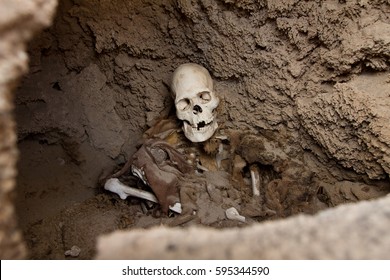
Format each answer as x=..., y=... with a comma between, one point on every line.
x=144, y=209
x=73, y=252
x=201, y=167
x=232, y=214
x=176, y=207
x=255, y=180
x=139, y=172
x=222, y=137
x=116, y=186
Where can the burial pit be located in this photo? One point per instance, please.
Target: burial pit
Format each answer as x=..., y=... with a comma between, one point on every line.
x=295, y=103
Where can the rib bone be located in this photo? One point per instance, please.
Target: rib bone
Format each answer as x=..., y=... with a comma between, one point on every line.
x=255, y=178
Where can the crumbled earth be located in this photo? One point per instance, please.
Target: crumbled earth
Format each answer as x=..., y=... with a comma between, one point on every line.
x=304, y=90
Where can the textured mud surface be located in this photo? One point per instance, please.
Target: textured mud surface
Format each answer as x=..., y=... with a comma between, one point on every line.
x=306, y=84
x=19, y=21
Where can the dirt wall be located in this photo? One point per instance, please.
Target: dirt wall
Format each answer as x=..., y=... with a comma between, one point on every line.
x=19, y=21
x=275, y=63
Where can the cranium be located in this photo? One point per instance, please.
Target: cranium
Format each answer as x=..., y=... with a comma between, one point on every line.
x=195, y=101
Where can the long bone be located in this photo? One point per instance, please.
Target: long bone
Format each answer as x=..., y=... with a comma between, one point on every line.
x=124, y=191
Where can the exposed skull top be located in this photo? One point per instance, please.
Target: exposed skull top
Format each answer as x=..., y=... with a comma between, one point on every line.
x=195, y=101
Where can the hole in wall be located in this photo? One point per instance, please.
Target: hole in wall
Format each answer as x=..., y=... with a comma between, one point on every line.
x=98, y=83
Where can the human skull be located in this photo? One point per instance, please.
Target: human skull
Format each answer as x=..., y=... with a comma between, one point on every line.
x=195, y=101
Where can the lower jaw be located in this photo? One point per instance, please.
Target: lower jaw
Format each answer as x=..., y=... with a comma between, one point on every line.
x=195, y=135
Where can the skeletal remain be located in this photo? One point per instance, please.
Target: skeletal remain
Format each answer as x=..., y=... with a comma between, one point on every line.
x=144, y=209
x=139, y=172
x=161, y=167
x=201, y=167
x=124, y=191
x=116, y=186
x=255, y=180
x=222, y=137
x=73, y=252
x=176, y=208
x=195, y=101
x=232, y=214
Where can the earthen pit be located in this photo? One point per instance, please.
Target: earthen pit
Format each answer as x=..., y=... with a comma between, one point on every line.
x=296, y=75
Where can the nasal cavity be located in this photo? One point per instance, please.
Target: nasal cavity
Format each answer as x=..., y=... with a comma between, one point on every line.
x=197, y=109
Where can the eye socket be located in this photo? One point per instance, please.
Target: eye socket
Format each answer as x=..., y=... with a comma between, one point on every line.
x=183, y=104
x=205, y=96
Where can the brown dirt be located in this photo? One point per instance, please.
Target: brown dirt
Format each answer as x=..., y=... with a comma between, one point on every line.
x=19, y=22
x=304, y=88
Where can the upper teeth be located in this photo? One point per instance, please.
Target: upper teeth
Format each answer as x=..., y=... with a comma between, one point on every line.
x=204, y=124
